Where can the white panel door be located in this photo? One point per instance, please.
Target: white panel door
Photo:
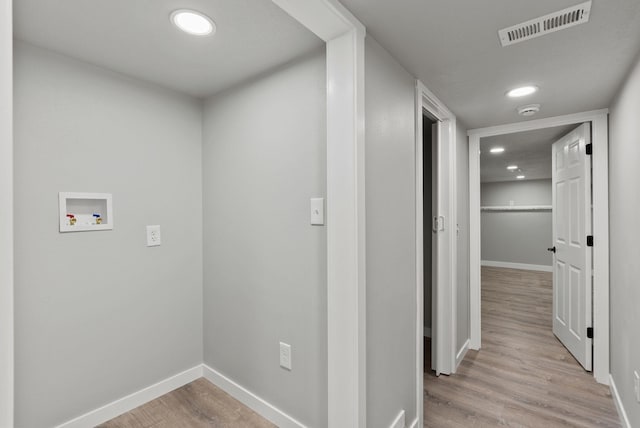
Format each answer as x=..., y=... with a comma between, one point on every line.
x=572, y=279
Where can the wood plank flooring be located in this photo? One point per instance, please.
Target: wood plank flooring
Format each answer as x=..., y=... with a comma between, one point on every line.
x=522, y=376
x=199, y=404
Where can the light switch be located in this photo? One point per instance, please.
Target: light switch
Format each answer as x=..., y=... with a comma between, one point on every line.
x=317, y=211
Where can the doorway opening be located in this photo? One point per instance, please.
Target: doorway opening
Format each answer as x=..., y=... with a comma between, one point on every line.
x=535, y=198
x=429, y=192
x=580, y=214
x=440, y=123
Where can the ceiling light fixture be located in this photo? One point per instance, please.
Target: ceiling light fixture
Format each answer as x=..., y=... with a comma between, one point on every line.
x=522, y=91
x=497, y=150
x=520, y=177
x=193, y=22
x=512, y=167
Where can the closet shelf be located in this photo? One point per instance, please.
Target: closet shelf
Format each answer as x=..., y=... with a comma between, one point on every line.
x=517, y=208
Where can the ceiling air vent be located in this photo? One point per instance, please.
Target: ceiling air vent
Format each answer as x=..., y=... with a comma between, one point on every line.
x=578, y=14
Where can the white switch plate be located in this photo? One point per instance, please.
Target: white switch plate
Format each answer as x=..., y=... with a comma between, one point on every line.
x=317, y=211
x=285, y=355
x=636, y=385
x=153, y=236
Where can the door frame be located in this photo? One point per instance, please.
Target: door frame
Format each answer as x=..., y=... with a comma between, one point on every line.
x=600, y=180
x=444, y=323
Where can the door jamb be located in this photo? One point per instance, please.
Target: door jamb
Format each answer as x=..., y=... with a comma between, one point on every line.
x=444, y=324
x=600, y=179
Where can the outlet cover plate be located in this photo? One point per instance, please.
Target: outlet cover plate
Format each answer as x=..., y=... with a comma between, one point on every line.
x=153, y=236
x=285, y=355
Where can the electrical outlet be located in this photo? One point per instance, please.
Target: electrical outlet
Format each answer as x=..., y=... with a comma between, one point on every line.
x=636, y=384
x=285, y=356
x=153, y=236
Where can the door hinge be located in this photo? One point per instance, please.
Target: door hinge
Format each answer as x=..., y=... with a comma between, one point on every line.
x=589, y=332
x=589, y=148
x=590, y=241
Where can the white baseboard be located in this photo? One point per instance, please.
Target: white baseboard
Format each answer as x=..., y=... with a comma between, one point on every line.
x=427, y=332
x=524, y=266
x=398, y=422
x=249, y=399
x=136, y=399
x=131, y=401
x=624, y=419
x=462, y=352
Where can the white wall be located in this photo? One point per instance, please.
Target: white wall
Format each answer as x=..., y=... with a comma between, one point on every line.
x=264, y=157
x=6, y=216
x=624, y=209
x=462, y=275
x=391, y=270
x=517, y=236
x=98, y=314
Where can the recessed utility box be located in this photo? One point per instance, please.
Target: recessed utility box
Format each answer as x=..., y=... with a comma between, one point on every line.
x=81, y=212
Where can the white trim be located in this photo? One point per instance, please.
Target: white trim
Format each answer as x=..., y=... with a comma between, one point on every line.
x=398, y=422
x=600, y=179
x=145, y=395
x=419, y=257
x=523, y=266
x=6, y=217
x=624, y=418
x=249, y=399
x=427, y=332
x=444, y=321
x=136, y=399
x=327, y=19
x=346, y=299
x=462, y=352
x=475, y=301
x=532, y=125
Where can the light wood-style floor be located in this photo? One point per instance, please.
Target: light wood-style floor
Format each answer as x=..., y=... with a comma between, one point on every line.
x=199, y=404
x=522, y=376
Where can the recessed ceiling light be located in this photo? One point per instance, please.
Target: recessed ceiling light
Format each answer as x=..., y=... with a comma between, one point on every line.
x=193, y=22
x=497, y=150
x=522, y=91
x=520, y=177
x=512, y=167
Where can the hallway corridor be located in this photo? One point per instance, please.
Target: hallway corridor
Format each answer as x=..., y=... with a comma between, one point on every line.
x=522, y=376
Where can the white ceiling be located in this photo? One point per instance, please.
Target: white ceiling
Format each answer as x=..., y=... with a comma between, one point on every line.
x=136, y=38
x=453, y=47
x=530, y=151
